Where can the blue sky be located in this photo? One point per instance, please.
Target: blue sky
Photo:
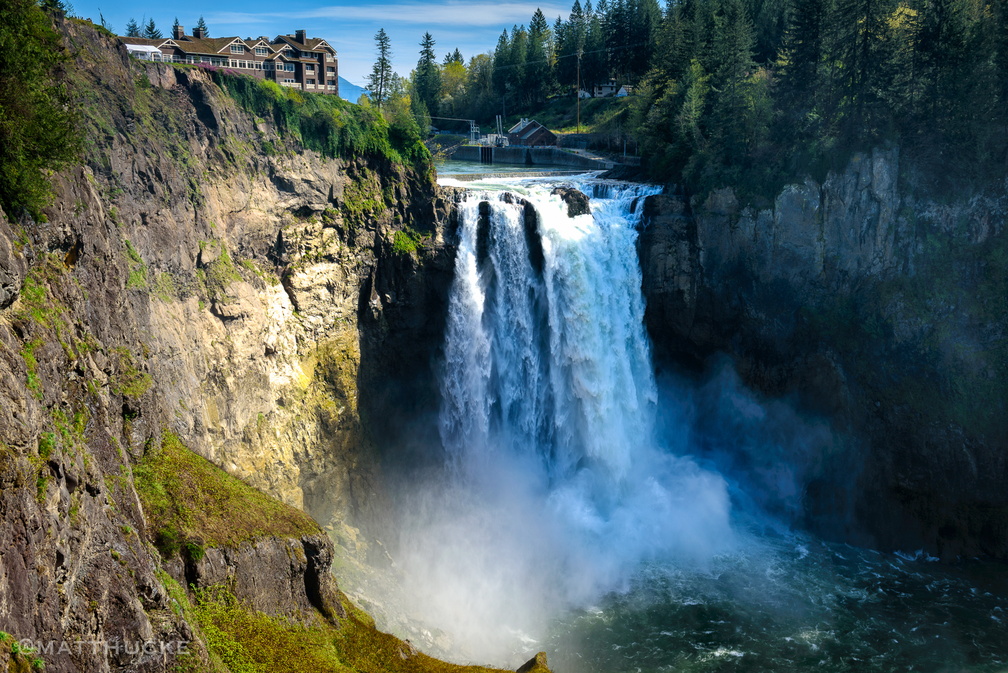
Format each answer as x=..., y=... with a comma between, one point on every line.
x=472, y=27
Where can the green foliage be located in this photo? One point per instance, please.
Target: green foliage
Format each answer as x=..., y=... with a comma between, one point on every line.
x=427, y=77
x=251, y=642
x=46, y=445
x=381, y=73
x=38, y=304
x=405, y=241
x=164, y=287
x=129, y=381
x=189, y=501
x=137, y=279
x=218, y=274
x=327, y=124
x=37, y=132
x=31, y=365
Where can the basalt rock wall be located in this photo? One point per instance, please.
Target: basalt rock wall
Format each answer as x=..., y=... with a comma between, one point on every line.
x=872, y=305
x=199, y=273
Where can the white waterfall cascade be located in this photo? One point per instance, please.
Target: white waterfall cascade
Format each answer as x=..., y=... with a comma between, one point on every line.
x=560, y=490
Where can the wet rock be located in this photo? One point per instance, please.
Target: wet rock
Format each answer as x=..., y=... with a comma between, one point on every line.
x=536, y=664
x=577, y=201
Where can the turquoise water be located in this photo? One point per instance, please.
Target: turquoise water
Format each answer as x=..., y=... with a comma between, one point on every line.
x=794, y=603
x=447, y=169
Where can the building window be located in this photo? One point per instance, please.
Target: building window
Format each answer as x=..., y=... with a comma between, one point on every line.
x=288, y=67
x=262, y=51
x=288, y=80
x=237, y=49
x=311, y=82
x=330, y=70
x=310, y=68
x=331, y=82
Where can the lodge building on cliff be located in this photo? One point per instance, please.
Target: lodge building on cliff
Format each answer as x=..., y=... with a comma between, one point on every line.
x=296, y=61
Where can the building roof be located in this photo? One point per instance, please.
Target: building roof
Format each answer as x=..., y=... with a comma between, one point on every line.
x=310, y=44
x=148, y=48
x=143, y=41
x=214, y=46
x=526, y=128
x=206, y=45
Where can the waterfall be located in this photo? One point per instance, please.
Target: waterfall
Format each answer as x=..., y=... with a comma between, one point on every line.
x=545, y=350
x=558, y=489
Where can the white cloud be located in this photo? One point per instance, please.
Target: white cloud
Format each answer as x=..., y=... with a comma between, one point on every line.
x=473, y=14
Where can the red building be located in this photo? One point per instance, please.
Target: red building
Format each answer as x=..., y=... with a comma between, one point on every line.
x=530, y=133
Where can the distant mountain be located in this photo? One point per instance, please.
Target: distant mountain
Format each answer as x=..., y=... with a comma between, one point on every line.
x=350, y=92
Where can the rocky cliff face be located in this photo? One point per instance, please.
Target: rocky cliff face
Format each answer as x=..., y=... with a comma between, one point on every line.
x=871, y=306
x=196, y=275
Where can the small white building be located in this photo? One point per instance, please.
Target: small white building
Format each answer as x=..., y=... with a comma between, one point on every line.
x=144, y=52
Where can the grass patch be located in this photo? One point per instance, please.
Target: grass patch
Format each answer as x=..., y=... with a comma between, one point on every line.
x=218, y=275
x=189, y=500
x=38, y=304
x=137, y=279
x=250, y=642
x=164, y=287
x=405, y=242
x=129, y=381
x=31, y=365
x=327, y=124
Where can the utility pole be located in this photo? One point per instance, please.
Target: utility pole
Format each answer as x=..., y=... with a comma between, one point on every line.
x=578, y=92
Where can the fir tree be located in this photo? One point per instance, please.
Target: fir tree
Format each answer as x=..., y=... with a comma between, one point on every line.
x=151, y=31
x=427, y=78
x=380, y=78
x=132, y=29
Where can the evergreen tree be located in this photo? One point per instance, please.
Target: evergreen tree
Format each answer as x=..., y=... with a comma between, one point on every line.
x=570, y=44
x=151, y=31
x=501, y=64
x=36, y=119
x=132, y=29
x=537, y=74
x=427, y=78
x=175, y=25
x=516, y=67
x=732, y=64
x=593, y=61
x=380, y=78
x=858, y=46
x=201, y=24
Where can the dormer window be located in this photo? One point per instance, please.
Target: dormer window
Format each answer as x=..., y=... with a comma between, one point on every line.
x=262, y=51
x=237, y=49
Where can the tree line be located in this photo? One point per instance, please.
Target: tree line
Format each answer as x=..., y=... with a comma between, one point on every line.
x=755, y=91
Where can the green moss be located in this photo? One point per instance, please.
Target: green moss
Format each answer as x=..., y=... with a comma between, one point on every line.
x=164, y=287
x=38, y=304
x=405, y=242
x=326, y=124
x=137, y=279
x=252, y=642
x=218, y=275
x=31, y=365
x=46, y=445
x=128, y=380
x=188, y=499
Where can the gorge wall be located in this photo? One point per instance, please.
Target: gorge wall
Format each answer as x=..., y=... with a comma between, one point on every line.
x=871, y=306
x=200, y=275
